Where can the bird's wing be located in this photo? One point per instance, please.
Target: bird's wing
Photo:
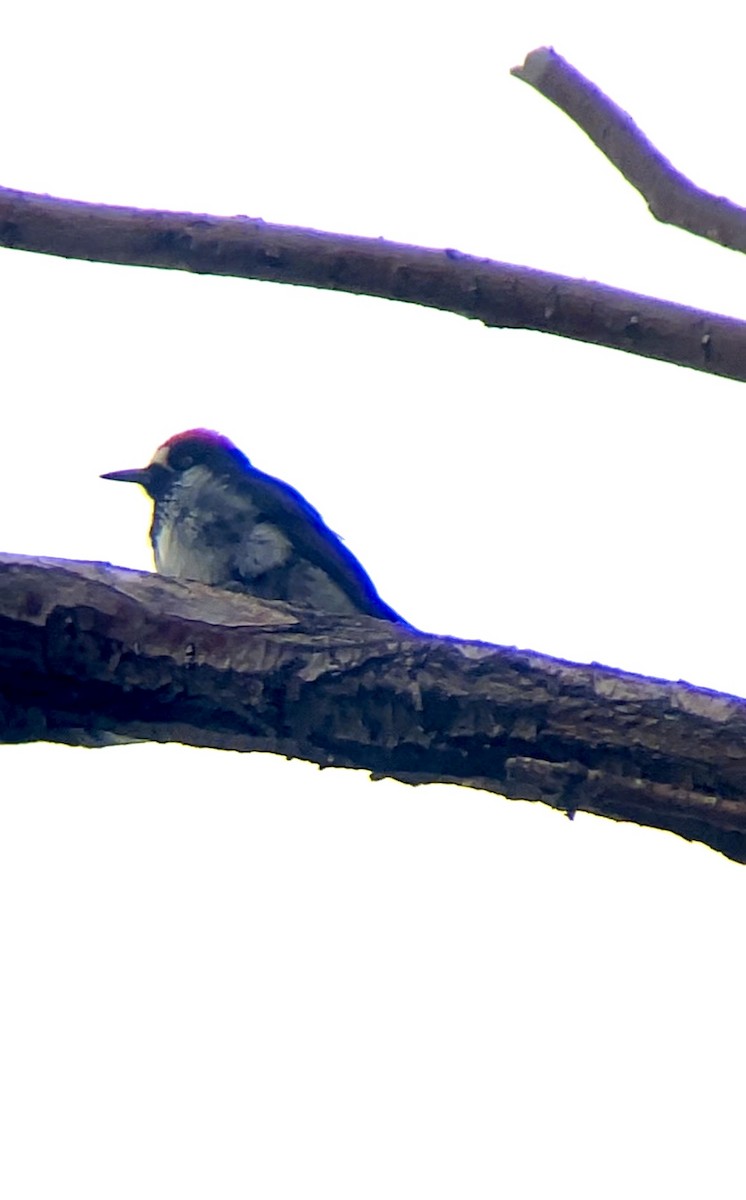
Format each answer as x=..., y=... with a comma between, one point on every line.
x=314, y=541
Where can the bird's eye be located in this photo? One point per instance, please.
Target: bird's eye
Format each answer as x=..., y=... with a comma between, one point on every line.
x=181, y=460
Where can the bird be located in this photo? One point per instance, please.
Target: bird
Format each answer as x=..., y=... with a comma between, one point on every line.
x=219, y=520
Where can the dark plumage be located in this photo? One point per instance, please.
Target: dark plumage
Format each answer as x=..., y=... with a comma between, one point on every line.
x=219, y=520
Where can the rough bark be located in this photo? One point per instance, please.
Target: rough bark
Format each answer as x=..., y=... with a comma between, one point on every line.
x=89, y=653
x=498, y=294
x=671, y=197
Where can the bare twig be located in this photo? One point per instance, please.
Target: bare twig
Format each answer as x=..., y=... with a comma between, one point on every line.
x=671, y=197
x=498, y=294
x=88, y=652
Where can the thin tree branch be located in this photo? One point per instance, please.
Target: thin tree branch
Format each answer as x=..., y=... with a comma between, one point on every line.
x=498, y=294
x=671, y=197
x=88, y=652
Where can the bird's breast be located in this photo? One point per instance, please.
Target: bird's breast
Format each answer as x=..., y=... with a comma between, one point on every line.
x=206, y=530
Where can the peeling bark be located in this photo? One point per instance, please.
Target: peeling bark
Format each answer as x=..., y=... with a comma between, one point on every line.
x=90, y=653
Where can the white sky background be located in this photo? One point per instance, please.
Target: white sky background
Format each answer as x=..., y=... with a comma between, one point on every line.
x=234, y=976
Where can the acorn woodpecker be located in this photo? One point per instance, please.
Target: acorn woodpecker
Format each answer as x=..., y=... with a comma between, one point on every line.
x=219, y=520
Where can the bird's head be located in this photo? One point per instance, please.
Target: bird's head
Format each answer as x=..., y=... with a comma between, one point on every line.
x=193, y=448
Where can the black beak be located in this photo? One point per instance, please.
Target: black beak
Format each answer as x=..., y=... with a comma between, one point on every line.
x=139, y=475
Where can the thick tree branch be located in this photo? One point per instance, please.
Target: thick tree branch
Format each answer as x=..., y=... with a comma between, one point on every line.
x=498, y=294
x=89, y=651
x=672, y=198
